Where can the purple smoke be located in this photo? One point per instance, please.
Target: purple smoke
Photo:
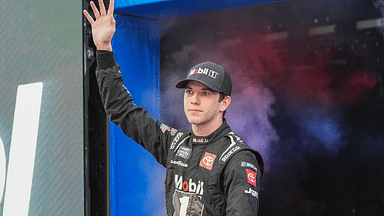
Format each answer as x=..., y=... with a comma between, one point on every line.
x=305, y=103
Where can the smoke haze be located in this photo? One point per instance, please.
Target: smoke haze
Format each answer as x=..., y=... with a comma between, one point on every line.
x=309, y=104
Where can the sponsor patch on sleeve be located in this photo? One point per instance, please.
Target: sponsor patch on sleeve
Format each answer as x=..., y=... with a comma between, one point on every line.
x=251, y=176
x=246, y=164
x=164, y=128
x=252, y=192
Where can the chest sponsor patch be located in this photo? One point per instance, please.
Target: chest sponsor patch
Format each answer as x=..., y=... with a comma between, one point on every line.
x=179, y=163
x=184, y=152
x=190, y=185
x=251, y=176
x=246, y=164
x=207, y=161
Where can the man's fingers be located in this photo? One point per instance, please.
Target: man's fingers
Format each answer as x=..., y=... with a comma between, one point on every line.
x=89, y=18
x=95, y=11
x=111, y=7
x=98, y=13
x=102, y=8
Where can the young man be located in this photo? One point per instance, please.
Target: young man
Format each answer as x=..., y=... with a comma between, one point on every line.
x=210, y=170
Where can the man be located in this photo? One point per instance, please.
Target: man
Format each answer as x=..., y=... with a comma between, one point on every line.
x=210, y=170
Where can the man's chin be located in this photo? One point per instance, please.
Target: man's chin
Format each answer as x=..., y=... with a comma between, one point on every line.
x=194, y=120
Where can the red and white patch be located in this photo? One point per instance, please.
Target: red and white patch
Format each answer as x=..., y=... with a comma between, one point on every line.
x=251, y=176
x=207, y=161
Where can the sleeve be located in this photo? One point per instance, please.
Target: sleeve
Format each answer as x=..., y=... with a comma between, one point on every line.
x=134, y=121
x=242, y=178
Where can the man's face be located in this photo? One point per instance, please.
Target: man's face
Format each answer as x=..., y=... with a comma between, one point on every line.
x=201, y=104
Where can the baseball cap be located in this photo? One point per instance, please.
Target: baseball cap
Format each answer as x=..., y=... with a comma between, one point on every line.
x=210, y=74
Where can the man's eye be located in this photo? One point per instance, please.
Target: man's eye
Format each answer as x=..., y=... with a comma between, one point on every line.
x=188, y=91
x=205, y=93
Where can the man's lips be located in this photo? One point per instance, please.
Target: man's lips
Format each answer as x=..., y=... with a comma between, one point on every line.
x=194, y=110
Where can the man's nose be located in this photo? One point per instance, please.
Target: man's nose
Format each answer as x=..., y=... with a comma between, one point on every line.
x=195, y=98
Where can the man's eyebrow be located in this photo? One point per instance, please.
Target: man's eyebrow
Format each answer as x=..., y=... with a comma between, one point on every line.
x=207, y=89
x=203, y=89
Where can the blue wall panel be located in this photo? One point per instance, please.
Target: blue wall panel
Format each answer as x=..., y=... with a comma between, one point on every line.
x=134, y=174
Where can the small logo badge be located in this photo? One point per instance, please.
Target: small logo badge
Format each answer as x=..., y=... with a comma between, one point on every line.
x=246, y=164
x=200, y=140
x=205, y=71
x=164, y=128
x=179, y=163
x=184, y=152
x=252, y=192
x=251, y=176
x=207, y=161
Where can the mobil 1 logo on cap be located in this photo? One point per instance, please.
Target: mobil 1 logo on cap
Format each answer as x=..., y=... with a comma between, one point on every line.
x=205, y=71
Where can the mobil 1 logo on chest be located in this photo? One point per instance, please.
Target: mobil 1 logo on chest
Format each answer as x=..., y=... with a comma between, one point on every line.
x=187, y=196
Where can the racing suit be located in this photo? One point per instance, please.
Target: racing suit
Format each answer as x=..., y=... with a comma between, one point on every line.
x=214, y=175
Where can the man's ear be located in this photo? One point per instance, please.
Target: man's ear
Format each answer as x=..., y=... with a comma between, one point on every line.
x=225, y=103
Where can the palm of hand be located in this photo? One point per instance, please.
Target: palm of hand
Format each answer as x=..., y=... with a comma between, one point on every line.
x=103, y=30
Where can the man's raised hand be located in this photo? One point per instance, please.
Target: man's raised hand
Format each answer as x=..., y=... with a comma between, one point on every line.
x=104, y=27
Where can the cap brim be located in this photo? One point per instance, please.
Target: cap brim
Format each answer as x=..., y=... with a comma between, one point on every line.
x=182, y=84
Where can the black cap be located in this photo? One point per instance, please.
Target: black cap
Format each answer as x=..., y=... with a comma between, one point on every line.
x=210, y=74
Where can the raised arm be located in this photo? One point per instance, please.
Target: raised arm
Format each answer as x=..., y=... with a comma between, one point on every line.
x=104, y=27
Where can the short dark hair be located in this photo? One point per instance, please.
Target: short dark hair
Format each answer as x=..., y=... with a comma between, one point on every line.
x=222, y=96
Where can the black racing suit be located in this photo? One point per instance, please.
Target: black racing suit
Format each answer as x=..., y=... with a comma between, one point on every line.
x=214, y=175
